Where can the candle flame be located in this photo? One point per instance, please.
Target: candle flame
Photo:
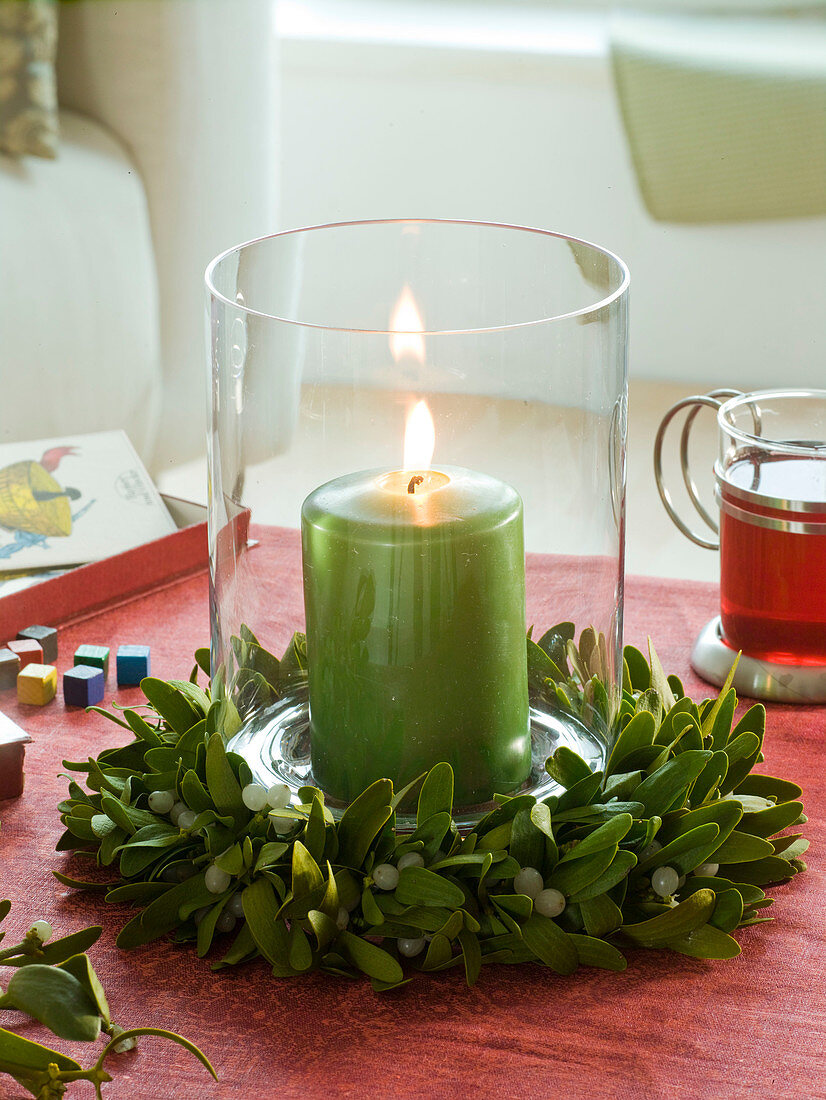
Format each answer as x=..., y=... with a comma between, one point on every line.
x=419, y=438
x=406, y=328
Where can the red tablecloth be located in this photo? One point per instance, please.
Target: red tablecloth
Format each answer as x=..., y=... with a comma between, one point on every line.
x=667, y=1027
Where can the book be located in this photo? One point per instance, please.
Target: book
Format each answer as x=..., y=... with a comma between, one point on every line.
x=72, y=500
x=63, y=596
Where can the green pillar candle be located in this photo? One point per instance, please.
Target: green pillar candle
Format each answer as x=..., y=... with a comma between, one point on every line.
x=414, y=589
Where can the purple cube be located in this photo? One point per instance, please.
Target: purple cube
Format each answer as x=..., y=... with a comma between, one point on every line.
x=83, y=685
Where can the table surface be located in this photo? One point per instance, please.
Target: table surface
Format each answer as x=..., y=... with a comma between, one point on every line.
x=667, y=1027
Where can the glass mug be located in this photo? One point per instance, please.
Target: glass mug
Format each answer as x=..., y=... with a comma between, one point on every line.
x=770, y=485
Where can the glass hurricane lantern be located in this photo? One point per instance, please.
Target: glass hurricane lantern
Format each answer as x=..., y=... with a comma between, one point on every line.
x=419, y=576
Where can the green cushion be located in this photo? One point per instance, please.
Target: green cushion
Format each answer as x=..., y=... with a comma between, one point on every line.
x=725, y=117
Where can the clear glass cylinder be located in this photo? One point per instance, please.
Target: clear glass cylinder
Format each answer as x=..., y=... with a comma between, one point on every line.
x=419, y=576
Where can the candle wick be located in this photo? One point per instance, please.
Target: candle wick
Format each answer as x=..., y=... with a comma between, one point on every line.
x=414, y=481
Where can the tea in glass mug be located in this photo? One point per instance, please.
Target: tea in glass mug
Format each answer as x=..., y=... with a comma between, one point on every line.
x=770, y=485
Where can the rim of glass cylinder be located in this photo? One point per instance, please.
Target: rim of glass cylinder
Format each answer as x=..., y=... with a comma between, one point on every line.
x=601, y=304
x=762, y=441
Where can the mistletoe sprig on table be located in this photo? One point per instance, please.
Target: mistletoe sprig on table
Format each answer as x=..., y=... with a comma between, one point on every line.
x=668, y=848
x=54, y=982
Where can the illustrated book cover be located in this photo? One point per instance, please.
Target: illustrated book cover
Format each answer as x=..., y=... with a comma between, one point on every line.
x=73, y=500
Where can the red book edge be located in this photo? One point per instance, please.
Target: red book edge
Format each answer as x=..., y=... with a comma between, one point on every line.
x=81, y=592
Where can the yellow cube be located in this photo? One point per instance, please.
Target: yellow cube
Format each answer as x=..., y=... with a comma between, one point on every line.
x=37, y=684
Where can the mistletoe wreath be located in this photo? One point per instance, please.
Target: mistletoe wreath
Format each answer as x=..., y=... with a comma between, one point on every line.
x=669, y=847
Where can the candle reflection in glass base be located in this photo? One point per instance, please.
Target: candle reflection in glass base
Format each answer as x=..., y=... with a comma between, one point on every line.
x=276, y=745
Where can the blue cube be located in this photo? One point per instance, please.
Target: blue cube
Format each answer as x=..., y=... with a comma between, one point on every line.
x=83, y=685
x=133, y=663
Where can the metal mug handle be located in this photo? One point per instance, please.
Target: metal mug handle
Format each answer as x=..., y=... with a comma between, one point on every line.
x=695, y=403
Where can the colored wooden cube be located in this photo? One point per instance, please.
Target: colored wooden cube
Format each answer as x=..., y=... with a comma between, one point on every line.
x=46, y=636
x=133, y=663
x=37, y=685
x=95, y=655
x=13, y=741
x=28, y=650
x=9, y=667
x=83, y=685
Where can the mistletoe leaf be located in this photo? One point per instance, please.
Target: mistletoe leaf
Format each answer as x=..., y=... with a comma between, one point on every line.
x=571, y=878
x=659, y=680
x=566, y=767
x=596, y=952
x=243, y=949
x=223, y=787
x=550, y=944
x=766, y=786
x=608, y=835
x=662, y=930
x=261, y=911
x=717, y=723
x=728, y=912
x=771, y=820
x=171, y=703
x=438, y=954
x=194, y=793
x=81, y=884
x=362, y=821
x=761, y=872
x=637, y=734
x=668, y=786
x=57, y=951
x=307, y=876
x=618, y=869
x=418, y=886
x=601, y=915
x=431, y=834
x=638, y=670
x=686, y=851
x=436, y=795
x=370, y=959
x=706, y=942
x=472, y=954
x=753, y=721
x=742, y=848
x=163, y=913
x=710, y=778
x=80, y=967
x=22, y=1057
x=527, y=844
x=56, y=998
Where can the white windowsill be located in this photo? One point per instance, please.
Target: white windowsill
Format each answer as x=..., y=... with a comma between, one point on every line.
x=497, y=27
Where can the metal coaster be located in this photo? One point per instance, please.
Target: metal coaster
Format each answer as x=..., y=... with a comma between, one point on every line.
x=712, y=658
x=275, y=743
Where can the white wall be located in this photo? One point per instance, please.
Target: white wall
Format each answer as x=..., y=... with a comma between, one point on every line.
x=508, y=114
